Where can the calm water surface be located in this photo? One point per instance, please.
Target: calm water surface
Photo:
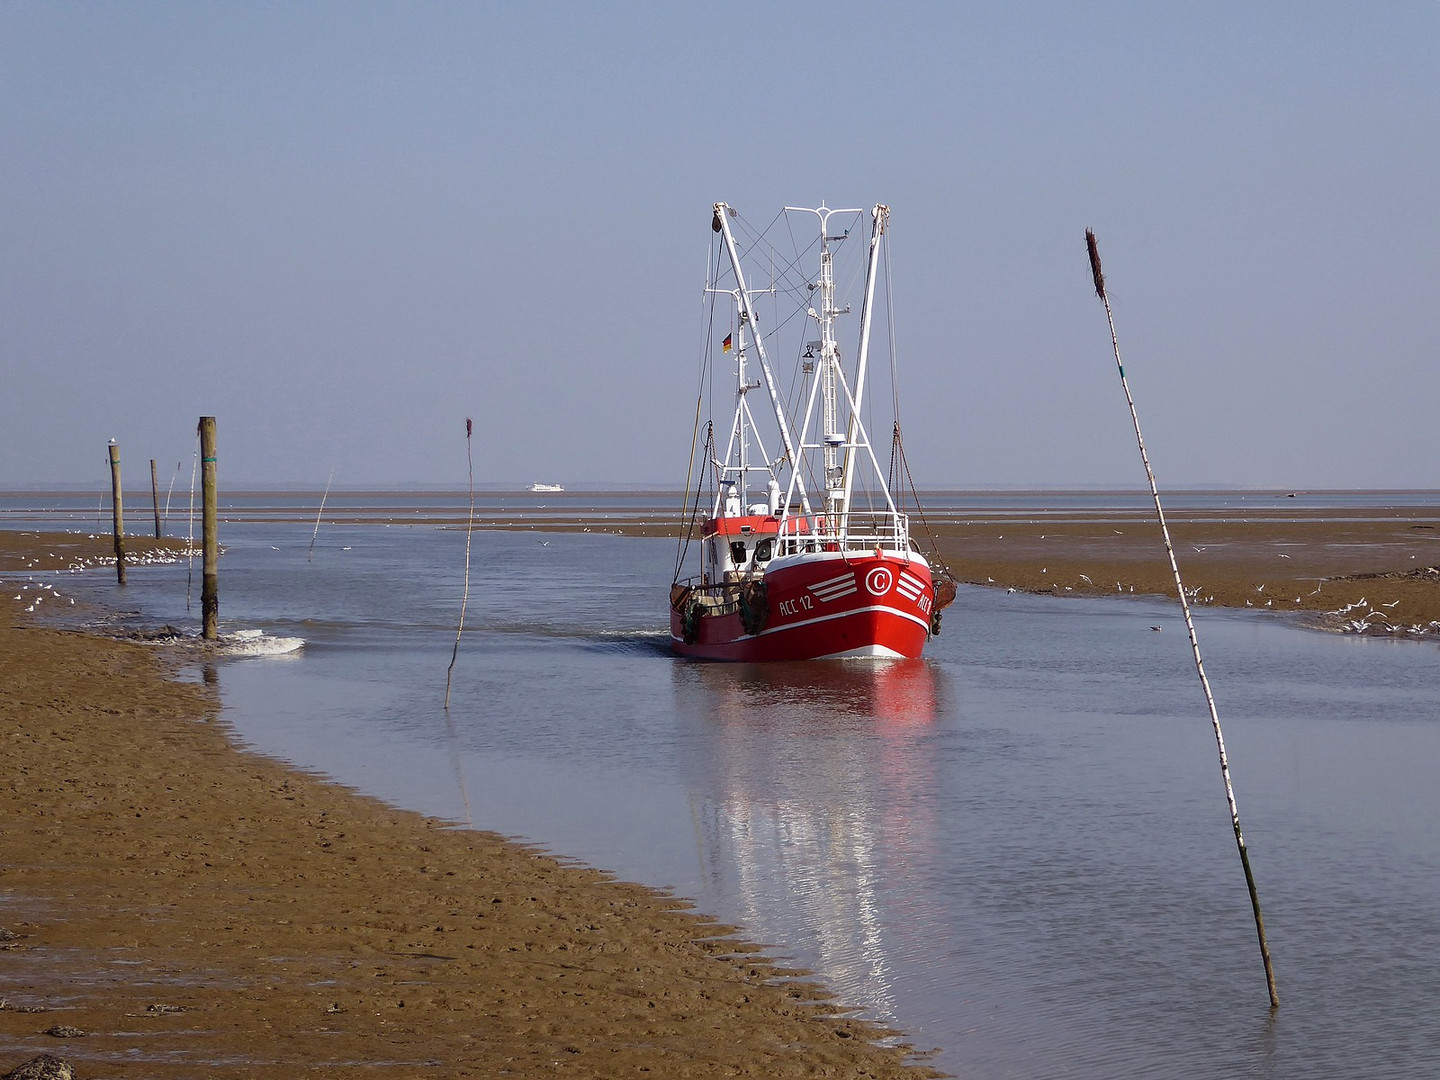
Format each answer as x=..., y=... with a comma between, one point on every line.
x=1016, y=850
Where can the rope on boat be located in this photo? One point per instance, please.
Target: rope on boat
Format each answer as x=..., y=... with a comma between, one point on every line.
x=899, y=465
x=682, y=545
x=688, y=532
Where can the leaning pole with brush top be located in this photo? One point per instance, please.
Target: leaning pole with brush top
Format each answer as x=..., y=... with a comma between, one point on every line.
x=1094, y=251
x=117, y=512
x=210, y=562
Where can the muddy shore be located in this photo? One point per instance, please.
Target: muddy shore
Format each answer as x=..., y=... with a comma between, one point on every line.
x=1371, y=572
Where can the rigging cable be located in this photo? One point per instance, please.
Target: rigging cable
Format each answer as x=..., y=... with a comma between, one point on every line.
x=897, y=452
x=683, y=542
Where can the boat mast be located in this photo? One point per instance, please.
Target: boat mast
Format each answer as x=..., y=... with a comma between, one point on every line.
x=721, y=225
x=742, y=427
x=879, y=218
x=831, y=379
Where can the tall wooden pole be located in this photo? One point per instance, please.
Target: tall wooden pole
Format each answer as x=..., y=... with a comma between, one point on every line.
x=155, y=497
x=210, y=564
x=1094, y=249
x=117, y=512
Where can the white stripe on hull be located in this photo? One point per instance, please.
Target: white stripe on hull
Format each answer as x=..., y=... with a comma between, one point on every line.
x=845, y=614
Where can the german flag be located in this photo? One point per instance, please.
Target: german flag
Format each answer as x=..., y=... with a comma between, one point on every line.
x=726, y=343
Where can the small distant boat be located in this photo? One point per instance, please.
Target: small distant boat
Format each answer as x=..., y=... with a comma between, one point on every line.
x=803, y=552
x=547, y=487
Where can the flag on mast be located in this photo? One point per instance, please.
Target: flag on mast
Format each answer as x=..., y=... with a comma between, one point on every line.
x=726, y=343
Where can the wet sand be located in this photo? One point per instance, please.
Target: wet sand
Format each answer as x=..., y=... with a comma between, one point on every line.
x=200, y=911
x=1374, y=572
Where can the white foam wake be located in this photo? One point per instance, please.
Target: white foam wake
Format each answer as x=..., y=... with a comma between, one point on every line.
x=257, y=643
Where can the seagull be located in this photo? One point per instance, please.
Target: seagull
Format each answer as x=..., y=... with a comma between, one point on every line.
x=1157, y=629
x=543, y=543
x=1259, y=588
x=1086, y=579
x=1283, y=555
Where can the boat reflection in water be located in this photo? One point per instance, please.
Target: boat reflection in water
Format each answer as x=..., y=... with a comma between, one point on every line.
x=818, y=783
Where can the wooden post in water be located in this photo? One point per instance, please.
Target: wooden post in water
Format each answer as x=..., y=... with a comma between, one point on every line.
x=210, y=564
x=117, y=512
x=155, y=497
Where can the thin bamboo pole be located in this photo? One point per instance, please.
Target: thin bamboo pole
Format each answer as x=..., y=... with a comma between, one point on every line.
x=190, y=525
x=465, y=595
x=155, y=497
x=316, y=533
x=117, y=512
x=171, y=490
x=1099, y=277
x=210, y=561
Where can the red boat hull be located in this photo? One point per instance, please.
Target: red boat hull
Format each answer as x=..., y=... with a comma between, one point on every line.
x=821, y=606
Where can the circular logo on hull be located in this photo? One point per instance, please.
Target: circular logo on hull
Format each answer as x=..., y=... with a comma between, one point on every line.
x=878, y=581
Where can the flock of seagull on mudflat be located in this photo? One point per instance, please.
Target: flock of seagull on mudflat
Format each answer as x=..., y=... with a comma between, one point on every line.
x=234, y=643
x=43, y=590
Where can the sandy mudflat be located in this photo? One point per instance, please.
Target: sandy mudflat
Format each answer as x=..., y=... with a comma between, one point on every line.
x=1373, y=571
x=199, y=911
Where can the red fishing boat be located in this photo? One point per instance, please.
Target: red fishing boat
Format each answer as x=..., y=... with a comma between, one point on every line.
x=803, y=553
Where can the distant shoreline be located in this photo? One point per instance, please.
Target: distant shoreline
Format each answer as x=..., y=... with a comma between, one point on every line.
x=1347, y=561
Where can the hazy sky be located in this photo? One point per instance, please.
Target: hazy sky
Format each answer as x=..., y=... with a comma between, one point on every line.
x=342, y=228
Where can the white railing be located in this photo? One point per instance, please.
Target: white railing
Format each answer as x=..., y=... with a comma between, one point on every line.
x=856, y=531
